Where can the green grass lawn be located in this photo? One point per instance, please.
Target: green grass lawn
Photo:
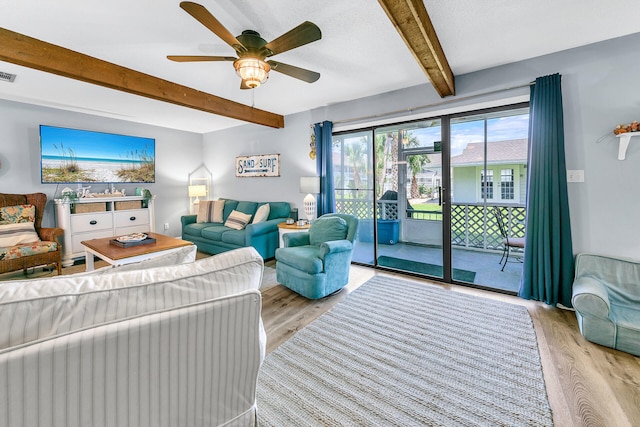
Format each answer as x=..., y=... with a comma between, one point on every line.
x=427, y=207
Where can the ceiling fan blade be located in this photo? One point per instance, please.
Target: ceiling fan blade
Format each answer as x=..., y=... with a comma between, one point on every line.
x=202, y=15
x=195, y=58
x=295, y=72
x=304, y=33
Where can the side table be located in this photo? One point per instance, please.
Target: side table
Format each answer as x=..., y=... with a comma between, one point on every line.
x=284, y=228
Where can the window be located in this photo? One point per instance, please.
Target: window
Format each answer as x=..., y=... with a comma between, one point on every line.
x=507, y=184
x=486, y=184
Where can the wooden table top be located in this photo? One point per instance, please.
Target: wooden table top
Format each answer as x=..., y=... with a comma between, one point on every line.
x=163, y=243
x=293, y=226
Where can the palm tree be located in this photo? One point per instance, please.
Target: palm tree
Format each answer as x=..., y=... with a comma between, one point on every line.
x=383, y=158
x=355, y=153
x=416, y=162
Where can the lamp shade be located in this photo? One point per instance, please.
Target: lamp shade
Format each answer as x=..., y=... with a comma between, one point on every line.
x=253, y=71
x=310, y=184
x=197, y=190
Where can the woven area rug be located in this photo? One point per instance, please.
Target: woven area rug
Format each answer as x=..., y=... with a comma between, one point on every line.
x=401, y=353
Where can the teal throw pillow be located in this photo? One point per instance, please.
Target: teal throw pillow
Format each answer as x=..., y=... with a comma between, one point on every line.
x=326, y=229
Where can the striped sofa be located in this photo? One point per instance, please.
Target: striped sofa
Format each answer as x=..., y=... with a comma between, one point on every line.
x=177, y=345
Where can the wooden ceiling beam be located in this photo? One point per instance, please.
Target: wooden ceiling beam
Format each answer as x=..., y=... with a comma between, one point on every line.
x=39, y=55
x=414, y=25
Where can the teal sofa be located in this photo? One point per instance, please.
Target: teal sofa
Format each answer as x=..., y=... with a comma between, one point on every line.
x=316, y=263
x=215, y=237
x=606, y=297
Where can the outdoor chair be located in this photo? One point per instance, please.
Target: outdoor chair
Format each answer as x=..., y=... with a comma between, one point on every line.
x=508, y=242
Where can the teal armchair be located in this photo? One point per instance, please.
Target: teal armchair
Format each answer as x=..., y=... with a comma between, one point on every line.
x=316, y=263
x=606, y=297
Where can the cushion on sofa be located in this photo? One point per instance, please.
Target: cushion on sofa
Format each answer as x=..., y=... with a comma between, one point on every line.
x=279, y=210
x=229, y=206
x=17, y=214
x=16, y=234
x=235, y=237
x=327, y=229
x=262, y=214
x=36, y=309
x=195, y=229
x=214, y=231
x=210, y=211
x=247, y=207
x=237, y=220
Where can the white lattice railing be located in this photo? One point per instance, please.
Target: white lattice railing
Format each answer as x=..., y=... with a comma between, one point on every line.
x=473, y=225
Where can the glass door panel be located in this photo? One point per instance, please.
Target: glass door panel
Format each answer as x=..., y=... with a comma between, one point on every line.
x=353, y=183
x=409, y=197
x=488, y=172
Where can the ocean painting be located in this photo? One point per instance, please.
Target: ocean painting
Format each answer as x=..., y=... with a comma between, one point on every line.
x=80, y=156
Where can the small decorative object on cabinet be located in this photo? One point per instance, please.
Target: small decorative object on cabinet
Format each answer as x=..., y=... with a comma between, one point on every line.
x=86, y=219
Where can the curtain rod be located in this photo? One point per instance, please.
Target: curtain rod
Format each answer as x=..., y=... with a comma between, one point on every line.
x=435, y=104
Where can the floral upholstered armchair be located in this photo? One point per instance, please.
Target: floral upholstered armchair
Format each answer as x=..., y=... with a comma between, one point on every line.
x=23, y=242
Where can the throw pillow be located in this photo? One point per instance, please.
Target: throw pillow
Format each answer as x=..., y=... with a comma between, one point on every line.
x=237, y=220
x=327, y=229
x=210, y=211
x=16, y=214
x=262, y=214
x=15, y=234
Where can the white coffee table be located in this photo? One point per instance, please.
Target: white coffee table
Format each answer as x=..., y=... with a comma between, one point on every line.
x=115, y=255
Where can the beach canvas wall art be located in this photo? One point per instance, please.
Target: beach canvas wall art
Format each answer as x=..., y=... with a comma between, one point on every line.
x=82, y=156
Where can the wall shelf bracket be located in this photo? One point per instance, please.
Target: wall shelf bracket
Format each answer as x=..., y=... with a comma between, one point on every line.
x=625, y=138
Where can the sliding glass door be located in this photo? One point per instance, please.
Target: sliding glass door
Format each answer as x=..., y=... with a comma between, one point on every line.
x=391, y=179
x=425, y=193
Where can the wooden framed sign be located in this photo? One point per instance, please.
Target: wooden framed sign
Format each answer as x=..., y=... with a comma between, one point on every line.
x=259, y=165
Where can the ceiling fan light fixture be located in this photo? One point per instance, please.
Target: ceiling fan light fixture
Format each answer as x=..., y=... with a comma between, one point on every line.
x=252, y=71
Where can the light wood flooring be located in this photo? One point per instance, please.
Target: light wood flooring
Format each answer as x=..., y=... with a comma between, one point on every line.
x=587, y=384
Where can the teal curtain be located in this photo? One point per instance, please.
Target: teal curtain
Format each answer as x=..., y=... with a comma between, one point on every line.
x=548, y=257
x=324, y=167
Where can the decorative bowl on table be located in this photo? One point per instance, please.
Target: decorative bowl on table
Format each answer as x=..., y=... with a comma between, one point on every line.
x=133, y=237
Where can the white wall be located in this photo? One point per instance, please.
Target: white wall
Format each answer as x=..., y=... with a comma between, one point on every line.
x=292, y=143
x=177, y=154
x=600, y=90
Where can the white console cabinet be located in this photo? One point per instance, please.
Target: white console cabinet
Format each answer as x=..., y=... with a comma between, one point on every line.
x=95, y=218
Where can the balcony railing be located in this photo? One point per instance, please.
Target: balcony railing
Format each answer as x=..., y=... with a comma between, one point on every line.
x=473, y=225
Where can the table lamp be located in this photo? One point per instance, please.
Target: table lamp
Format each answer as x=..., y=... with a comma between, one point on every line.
x=197, y=191
x=310, y=185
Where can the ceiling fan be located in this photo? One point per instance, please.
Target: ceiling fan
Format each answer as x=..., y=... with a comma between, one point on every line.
x=252, y=50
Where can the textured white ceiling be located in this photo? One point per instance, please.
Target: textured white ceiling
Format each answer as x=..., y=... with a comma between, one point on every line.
x=360, y=53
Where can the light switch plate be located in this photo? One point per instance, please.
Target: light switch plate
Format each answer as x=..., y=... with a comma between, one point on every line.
x=575, y=175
